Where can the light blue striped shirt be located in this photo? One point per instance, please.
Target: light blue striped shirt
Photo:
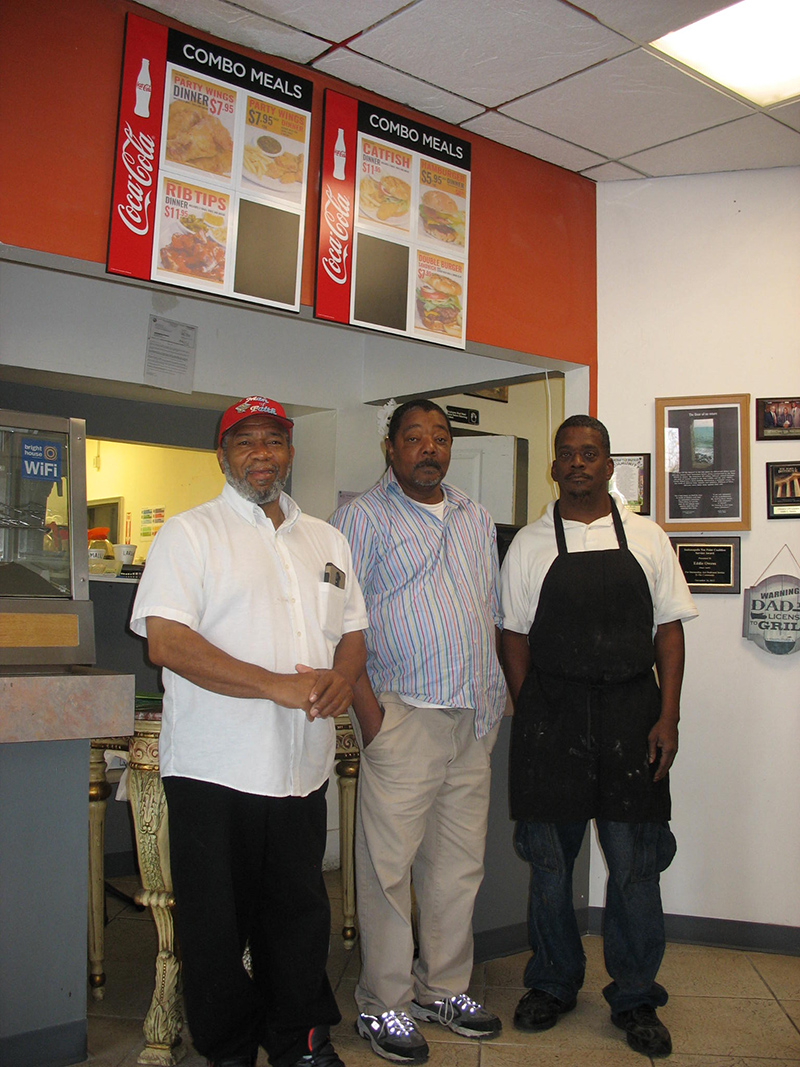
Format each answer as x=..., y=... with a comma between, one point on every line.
x=432, y=594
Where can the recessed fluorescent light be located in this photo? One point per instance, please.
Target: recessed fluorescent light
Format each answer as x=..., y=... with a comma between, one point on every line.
x=752, y=48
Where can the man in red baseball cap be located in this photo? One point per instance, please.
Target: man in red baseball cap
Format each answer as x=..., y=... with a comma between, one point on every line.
x=254, y=612
x=253, y=405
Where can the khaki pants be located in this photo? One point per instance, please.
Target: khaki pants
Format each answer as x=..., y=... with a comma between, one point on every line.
x=423, y=803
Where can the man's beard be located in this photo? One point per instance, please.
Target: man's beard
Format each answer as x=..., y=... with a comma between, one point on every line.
x=249, y=492
x=427, y=474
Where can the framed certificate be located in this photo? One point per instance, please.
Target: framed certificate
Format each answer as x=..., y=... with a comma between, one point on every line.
x=631, y=480
x=709, y=564
x=703, y=463
x=783, y=490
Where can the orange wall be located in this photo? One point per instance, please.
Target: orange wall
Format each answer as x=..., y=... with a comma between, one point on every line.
x=532, y=263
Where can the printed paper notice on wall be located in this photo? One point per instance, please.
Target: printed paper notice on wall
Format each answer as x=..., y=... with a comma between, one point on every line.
x=170, y=354
x=211, y=169
x=151, y=520
x=394, y=224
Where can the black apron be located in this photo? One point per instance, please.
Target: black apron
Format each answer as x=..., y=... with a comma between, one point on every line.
x=590, y=699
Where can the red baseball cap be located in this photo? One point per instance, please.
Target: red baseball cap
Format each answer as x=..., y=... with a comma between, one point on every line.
x=253, y=405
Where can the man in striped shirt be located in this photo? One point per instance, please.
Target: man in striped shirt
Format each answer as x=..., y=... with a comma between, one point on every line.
x=428, y=709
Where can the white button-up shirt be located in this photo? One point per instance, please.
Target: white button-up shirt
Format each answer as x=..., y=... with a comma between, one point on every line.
x=257, y=593
x=534, y=549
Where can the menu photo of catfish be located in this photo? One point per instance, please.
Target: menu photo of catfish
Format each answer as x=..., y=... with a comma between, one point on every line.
x=442, y=204
x=200, y=123
x=439, y=297
x=384, y=186
x=193, y=233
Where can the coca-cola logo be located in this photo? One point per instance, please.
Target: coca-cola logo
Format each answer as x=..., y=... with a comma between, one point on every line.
x=337, y=214
x=138, y=152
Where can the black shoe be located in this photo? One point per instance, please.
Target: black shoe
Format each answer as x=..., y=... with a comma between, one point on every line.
x=321, y=1052
x=540, y=1011
x=646, y=1033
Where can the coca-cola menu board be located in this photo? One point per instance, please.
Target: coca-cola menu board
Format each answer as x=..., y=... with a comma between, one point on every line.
x=211, y=169
x=394, y=224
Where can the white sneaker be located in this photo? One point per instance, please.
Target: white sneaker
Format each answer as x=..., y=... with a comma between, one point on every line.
x=394, y=1036
x=460, y=1014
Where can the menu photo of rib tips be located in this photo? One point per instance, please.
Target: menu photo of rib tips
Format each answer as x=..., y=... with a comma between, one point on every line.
x=439, y=297
x=442, y=217
x=200, y=124
x=192, y=234
x=384, y=185
x=274, y=155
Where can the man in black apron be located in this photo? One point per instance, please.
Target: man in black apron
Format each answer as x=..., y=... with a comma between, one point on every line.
x=593, y=599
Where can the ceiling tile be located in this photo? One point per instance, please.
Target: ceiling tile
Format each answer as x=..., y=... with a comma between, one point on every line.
x=230, y=23
x=752, y=143
x=611, y=172
x=647, y=20
x=626, y=105
x=393, y=84
x=534, y=142
x=324, y=18
x=490, y=52
x=788, y=113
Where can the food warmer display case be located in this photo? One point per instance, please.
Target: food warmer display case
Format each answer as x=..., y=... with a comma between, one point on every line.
x=48, y=686
x=45, y=612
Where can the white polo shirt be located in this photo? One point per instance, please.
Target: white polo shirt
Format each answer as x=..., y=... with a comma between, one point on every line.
x=534, y=549
x=257, y=593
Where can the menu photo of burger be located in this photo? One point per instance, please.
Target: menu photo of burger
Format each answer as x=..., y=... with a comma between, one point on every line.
x=441, y=219
x=439, y=307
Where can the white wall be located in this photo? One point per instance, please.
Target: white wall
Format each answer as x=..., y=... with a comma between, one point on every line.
x=699, y=293
x=95, y=326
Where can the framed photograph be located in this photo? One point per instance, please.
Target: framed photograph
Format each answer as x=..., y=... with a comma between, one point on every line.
x=631, y=480
x=490, y=392
x=709, y=564
x=703, y=462
x=783, y=490
x=777, y=417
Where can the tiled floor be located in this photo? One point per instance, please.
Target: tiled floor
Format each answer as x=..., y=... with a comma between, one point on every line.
x=726, y=1008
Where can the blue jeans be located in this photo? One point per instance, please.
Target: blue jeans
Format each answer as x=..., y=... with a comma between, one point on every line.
x=633, y=923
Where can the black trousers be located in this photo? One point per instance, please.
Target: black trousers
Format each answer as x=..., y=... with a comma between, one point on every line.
x=249, y=868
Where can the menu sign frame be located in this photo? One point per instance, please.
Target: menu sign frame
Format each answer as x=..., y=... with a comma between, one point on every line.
x=393, y=245
x=211, y=169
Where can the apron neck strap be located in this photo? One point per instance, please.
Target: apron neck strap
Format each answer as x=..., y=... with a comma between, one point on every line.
x=622, y=540
x=561, y=540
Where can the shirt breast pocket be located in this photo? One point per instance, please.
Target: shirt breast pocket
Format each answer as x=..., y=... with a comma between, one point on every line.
x=331, y=610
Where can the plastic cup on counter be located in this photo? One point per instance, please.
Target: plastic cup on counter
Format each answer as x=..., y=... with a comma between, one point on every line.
x=124, y=553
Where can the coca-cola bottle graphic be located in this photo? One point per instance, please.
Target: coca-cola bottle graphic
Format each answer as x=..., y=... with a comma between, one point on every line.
x=143, y=90
x=339, y=156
